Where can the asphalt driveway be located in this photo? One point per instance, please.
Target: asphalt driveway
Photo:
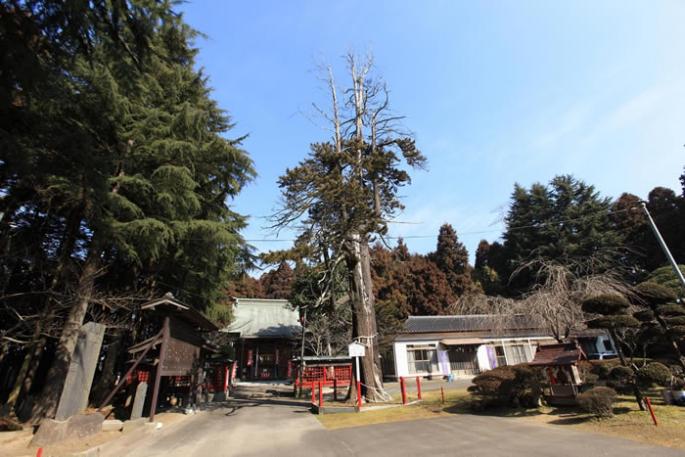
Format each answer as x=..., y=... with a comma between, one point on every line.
x=281, y=428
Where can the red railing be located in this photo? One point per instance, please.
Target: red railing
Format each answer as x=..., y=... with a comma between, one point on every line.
x=340, y=375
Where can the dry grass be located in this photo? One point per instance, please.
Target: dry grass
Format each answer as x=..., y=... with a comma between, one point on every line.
x=631, y=423
x=429, y=408
x=628, y=422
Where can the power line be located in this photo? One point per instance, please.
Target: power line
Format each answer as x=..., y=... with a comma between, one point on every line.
x=474, y=232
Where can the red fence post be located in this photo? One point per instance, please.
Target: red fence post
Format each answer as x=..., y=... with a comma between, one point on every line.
x=359, y=395
x=403, y=389
x=651, y=411
x=313, y=398
x=320, y=394
x=418, y=386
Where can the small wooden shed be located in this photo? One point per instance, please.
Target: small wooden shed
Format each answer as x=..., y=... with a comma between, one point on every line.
x=559, y=362
x=173, y=346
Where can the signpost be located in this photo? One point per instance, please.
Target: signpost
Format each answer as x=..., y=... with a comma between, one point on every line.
x=357, y=350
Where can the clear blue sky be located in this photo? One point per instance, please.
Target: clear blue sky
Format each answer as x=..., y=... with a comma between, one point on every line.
x=496, y=92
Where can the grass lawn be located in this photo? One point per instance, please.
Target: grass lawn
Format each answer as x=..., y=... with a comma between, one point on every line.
x=628, y=422
x=429, y=408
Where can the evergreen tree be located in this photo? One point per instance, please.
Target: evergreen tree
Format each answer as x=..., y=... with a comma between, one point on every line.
x=452, y=258
x=346, y=190
x=278, y=283
x=566, y=221
x=122, y=156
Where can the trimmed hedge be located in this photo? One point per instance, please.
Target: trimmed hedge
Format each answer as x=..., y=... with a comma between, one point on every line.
x=517, y=386
x=598, y=401
x=646, y=315
x=671, y=310
x=654, y=373
x=605, y=304
x=621, y=321
x=655, y=294
x=620, y=373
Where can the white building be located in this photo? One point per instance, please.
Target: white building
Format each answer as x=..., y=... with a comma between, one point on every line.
x=465, y=345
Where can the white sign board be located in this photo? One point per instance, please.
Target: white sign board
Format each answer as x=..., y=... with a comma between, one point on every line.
x=356, y=350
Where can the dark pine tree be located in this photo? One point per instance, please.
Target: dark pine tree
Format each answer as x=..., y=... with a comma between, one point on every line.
x=452, y=258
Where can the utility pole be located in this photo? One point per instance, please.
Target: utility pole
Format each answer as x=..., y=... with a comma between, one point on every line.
x=663, y=245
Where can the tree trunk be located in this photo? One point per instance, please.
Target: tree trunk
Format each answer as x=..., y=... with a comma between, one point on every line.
x=619, y=350
x=361, y=291
x=107, y=379
x=673, y=340
x=47, y=407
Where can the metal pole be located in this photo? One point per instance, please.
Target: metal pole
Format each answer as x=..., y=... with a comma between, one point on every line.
x=663, y=245
x=158, y=371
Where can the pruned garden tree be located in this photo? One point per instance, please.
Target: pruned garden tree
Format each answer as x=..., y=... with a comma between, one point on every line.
x=612, y=313
x=346, y=190
x=663, y=309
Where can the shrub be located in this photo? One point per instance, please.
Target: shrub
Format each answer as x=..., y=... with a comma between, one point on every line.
x=517, y=385
x=598, y=401
x=654, y=373
x=620, y=373
x=620, y=321
x=671, y=310
x=678, y=320
x=655, y=294
x=645, y=315
x=605, y=304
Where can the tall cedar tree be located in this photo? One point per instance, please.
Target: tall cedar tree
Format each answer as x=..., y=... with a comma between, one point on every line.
x=346, y=190
x=278, y=283
x=452, y=258
x=122, y=155
x=566, y=221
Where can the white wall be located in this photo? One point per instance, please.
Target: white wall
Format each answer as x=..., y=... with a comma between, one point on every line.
x=482, y=357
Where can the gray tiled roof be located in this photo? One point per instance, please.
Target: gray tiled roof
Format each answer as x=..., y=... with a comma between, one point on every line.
x=468, y=323
x=264, y=318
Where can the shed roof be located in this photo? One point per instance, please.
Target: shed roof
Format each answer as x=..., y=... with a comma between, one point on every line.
x=170, y=305
x=558, y=354
x=264, y=318
x=468, y=323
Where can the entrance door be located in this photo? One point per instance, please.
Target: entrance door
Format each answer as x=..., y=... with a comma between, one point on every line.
x=463, y=360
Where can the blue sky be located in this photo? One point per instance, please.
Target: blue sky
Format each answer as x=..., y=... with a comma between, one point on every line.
x=496, y=92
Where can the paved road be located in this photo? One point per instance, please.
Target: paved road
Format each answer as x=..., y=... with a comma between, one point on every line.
x=283, y=429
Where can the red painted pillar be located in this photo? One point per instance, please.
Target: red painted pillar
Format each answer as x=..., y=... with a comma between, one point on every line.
x=313, y=398
x=418, y=386
x=320, y=394
x=651, y=411
x=403, y=390
x=359, y=395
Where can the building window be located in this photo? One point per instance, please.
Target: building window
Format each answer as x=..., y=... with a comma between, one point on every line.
x=422, y=359
x=501, y=358
x=463, y=358
x=517, y=354
x=607, y=345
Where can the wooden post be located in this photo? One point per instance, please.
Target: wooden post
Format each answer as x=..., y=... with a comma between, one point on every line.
x=418, y=386
x=335, y=389
x=442, y=394
x=313, y=398
x=158, y=371
x=320, y=394
x=403, y=390
x=651, y=411
x=130, y=370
